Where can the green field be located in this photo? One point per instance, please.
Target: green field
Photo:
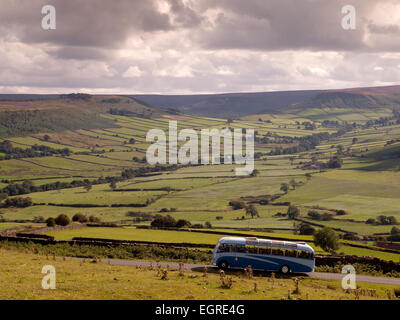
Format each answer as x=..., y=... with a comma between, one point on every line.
x=367, y=185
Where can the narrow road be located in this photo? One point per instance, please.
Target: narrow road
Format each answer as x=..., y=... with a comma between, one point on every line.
x=317, y=275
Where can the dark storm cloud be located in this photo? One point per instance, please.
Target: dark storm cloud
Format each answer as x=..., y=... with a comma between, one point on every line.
x=257, y=24
x=83, y=23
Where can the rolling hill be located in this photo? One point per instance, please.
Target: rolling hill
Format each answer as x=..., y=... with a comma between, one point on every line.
x=31, y=114
x=234, y=105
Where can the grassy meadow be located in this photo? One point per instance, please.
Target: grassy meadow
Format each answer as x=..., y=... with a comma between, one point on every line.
x=81, y=280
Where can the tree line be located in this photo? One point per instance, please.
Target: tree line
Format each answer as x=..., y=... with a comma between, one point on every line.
x=27, y=186
x=32, y=152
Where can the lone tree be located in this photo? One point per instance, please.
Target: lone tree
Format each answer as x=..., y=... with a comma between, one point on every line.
x=113, y=185
x=306, y=229
x=335, y=163
x=293, y=212
x=327, y=239
x=293, y=183
x=252, y=211
x=284, y=187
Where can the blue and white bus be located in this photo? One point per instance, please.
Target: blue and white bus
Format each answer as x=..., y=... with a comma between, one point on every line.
x=263, y=254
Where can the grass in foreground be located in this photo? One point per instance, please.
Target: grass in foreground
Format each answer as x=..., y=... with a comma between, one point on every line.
x=75, y=279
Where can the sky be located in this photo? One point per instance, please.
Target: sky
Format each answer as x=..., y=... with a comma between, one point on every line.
x=197, y=46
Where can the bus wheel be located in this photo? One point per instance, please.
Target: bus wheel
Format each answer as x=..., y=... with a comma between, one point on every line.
x=223, y=265
x=285, y=269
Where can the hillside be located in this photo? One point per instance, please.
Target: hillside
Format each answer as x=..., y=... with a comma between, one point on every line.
x=234, y=105
x=21, y=116
x=349, y=99
x=229, y=105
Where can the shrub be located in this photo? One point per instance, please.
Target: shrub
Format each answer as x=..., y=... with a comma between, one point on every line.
x=326, y=216
x=350, y=236
x=370, y=221
x=386, y=220
x=79, y=217
x=327, y=239
x=335, y=163
x=164, y=222
x=219, y=217
x=284, y=187
x=341, y=212
x=38, y=219
x=237, y=205
x=50, y=222
x=293, y=212
x=394, y=237
x=182, y=223
x=314, y=215
x=113, y=185
x=94, y=219
x=395, y=230
x=208, y=225
x=318, y=216
x=18, y=202
x=306, y=229
x=62, y=220
x=140, y=216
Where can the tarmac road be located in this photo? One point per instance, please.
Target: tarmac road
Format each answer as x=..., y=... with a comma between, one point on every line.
x=317, y=275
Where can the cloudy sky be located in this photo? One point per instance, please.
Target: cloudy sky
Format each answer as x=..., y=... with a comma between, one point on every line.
x=197, y=46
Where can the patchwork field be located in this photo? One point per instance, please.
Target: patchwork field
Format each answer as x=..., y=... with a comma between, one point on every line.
x=366, y=186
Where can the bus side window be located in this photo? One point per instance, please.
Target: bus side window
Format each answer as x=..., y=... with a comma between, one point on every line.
x=221, y=248
x=252, y=249
x=262, y=250
x=240, y=248
x=304, y=254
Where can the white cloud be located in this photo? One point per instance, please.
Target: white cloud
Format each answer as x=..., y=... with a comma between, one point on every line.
x=132, y=72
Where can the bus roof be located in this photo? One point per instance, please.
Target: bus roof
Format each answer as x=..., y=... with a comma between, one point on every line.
x=267, y=243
